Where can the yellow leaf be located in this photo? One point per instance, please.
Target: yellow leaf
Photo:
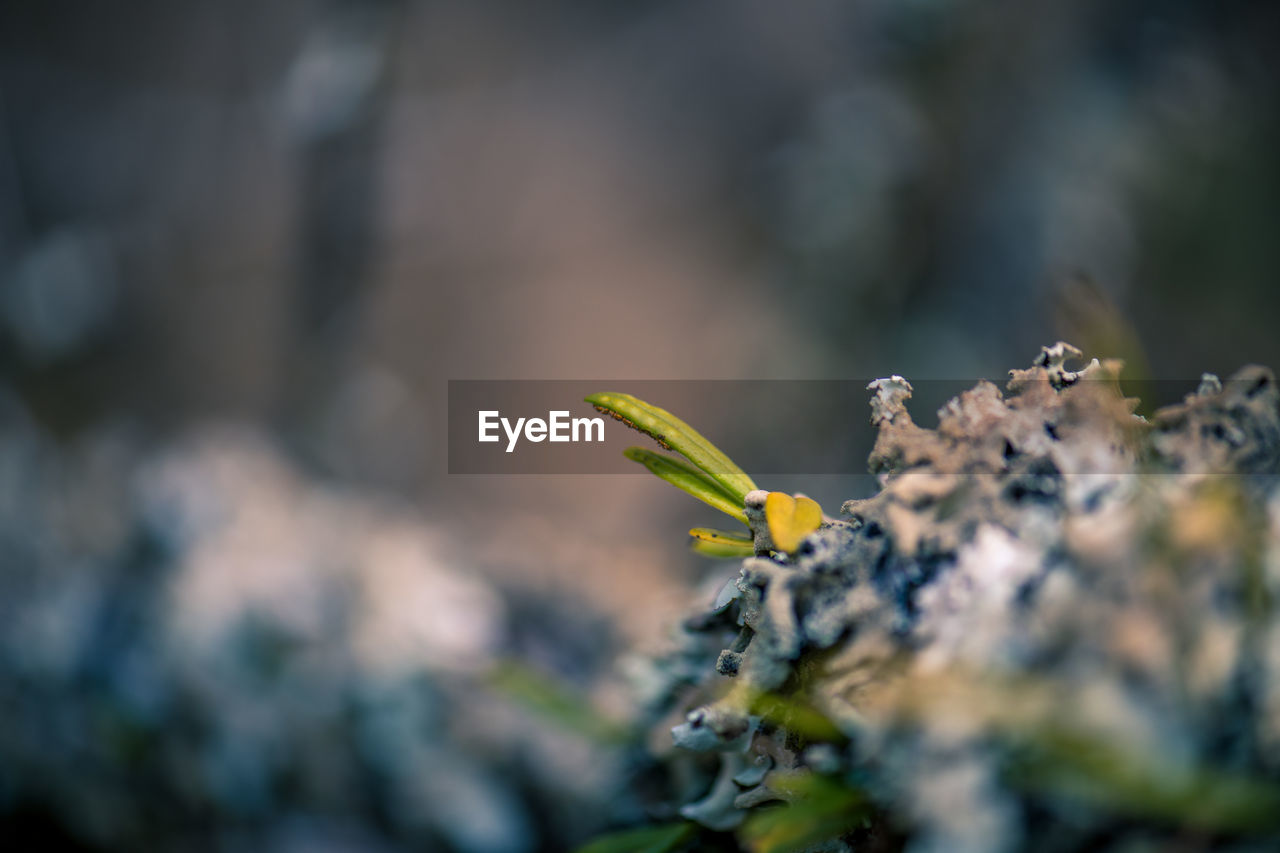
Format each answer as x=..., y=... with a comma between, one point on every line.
x=791, y=519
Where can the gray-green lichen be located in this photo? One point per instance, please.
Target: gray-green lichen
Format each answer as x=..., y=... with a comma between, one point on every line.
x=203, y=647
x=1053, y=628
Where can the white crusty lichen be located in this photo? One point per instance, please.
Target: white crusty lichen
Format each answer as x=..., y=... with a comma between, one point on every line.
x=890, y=400
x=1055, y=620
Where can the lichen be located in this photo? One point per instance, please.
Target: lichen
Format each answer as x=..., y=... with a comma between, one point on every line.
x=1051, y=628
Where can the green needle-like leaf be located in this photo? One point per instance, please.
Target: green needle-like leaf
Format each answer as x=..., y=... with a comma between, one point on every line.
x=824, y=810
x=688, y=479
x=645, y=839
x=554, y=702
x=721, y=543
x=1128, y=782
x=796, y=714
x=674, y=434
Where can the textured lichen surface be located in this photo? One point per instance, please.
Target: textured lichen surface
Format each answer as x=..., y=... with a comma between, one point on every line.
x=1053, y=628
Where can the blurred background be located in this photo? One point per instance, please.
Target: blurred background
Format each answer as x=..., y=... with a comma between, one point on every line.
x=244, y=246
